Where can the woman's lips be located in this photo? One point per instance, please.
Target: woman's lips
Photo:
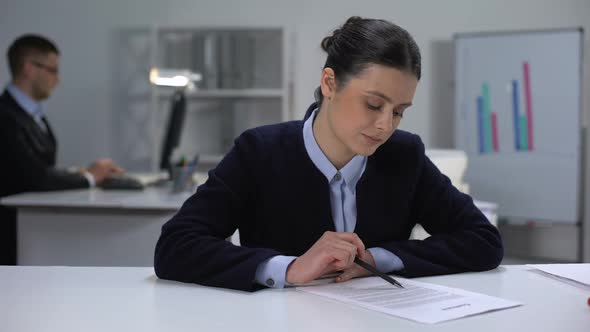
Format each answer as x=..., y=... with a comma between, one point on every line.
x=373, y=139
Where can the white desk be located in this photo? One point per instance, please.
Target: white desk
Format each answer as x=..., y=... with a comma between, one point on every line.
x=92, y=227
x=68, y=299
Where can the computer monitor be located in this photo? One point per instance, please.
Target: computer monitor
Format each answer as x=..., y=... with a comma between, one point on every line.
x=173, y=129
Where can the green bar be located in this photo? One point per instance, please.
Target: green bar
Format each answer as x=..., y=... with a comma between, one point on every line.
x=487, y=116
x=524, y=141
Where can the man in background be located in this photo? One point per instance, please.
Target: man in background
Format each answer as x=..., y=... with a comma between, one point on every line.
x=28, y=147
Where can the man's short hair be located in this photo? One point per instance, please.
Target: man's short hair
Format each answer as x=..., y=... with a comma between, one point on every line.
x=25, y=46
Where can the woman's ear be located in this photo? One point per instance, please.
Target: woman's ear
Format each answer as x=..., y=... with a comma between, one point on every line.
x=328, y=83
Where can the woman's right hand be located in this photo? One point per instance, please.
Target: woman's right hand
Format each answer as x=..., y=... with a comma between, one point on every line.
x=334, y=251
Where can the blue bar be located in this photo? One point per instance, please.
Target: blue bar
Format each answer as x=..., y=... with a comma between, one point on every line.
x=480, y=128
x=515, y=115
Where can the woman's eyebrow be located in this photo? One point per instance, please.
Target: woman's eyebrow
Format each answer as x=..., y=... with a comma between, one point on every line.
x=382, y=95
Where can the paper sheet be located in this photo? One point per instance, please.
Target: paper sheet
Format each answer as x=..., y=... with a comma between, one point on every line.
x=579, y=273
x=418, y=301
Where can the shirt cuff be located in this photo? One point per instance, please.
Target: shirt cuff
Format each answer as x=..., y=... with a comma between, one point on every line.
x=385, y=260
x=90, y=178
x=273, y=271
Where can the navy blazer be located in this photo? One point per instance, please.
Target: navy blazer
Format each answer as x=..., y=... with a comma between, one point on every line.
x=269, y=189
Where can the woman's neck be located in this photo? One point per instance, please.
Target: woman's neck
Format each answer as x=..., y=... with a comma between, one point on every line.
x=336, y=152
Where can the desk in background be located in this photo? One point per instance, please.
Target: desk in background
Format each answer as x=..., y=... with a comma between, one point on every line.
x=132, y=299
x=99, y=228
x=92, y=227
x=120, y=228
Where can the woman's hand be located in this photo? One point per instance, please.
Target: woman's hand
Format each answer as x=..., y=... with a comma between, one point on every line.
x=334, y=251
x=356, y=271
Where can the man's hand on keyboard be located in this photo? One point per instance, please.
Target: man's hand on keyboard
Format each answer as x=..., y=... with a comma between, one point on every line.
x=103, y=169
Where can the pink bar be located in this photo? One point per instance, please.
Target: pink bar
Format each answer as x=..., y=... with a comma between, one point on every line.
x=528, y=103
x=495, y=144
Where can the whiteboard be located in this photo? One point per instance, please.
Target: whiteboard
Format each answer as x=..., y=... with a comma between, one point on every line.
x=518, y=118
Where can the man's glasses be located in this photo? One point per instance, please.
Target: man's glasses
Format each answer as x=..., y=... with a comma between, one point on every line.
x=51, y=69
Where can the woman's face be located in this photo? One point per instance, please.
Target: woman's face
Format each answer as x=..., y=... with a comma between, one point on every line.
x=365, y=112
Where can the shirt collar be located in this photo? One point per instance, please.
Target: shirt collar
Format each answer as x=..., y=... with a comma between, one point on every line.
x=351, y=172
x=32, y=107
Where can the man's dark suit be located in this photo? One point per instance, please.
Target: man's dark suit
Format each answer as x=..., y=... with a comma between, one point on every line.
x=28, y=164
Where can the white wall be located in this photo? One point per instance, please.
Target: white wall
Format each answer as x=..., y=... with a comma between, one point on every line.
x=80, y=108
x=81, y=111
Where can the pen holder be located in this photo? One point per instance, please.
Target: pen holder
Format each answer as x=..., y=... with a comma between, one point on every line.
x=182, y=178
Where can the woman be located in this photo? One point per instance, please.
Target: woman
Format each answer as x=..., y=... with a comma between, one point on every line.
x=309, y=196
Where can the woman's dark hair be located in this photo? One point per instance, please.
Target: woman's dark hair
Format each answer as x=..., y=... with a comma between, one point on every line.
x=361, y=42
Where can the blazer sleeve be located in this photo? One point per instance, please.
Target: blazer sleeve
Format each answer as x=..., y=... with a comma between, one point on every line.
x=192, y=246
x=29, y=171
x=462, y=239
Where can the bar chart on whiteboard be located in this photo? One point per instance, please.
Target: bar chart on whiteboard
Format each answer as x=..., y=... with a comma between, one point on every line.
x=518, y=118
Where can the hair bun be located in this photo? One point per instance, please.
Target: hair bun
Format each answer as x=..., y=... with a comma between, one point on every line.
x=352, y=20
x=327, y=43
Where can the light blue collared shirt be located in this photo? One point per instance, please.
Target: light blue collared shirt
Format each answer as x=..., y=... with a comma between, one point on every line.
x=33, y=108
x=272, y=272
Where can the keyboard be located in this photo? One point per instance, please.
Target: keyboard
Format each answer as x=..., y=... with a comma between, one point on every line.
x=134, y=181
x=149, y=178
x=122, y=182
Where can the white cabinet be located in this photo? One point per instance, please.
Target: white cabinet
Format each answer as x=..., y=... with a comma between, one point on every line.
x=247, y=82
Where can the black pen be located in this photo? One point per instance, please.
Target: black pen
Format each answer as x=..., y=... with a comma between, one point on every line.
x=373, y=270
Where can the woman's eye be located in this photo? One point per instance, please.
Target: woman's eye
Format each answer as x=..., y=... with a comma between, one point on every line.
x=374, y=107
x=398, y=114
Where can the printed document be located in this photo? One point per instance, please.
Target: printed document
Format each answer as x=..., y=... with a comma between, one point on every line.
x=417, y=301
x=577, y=273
